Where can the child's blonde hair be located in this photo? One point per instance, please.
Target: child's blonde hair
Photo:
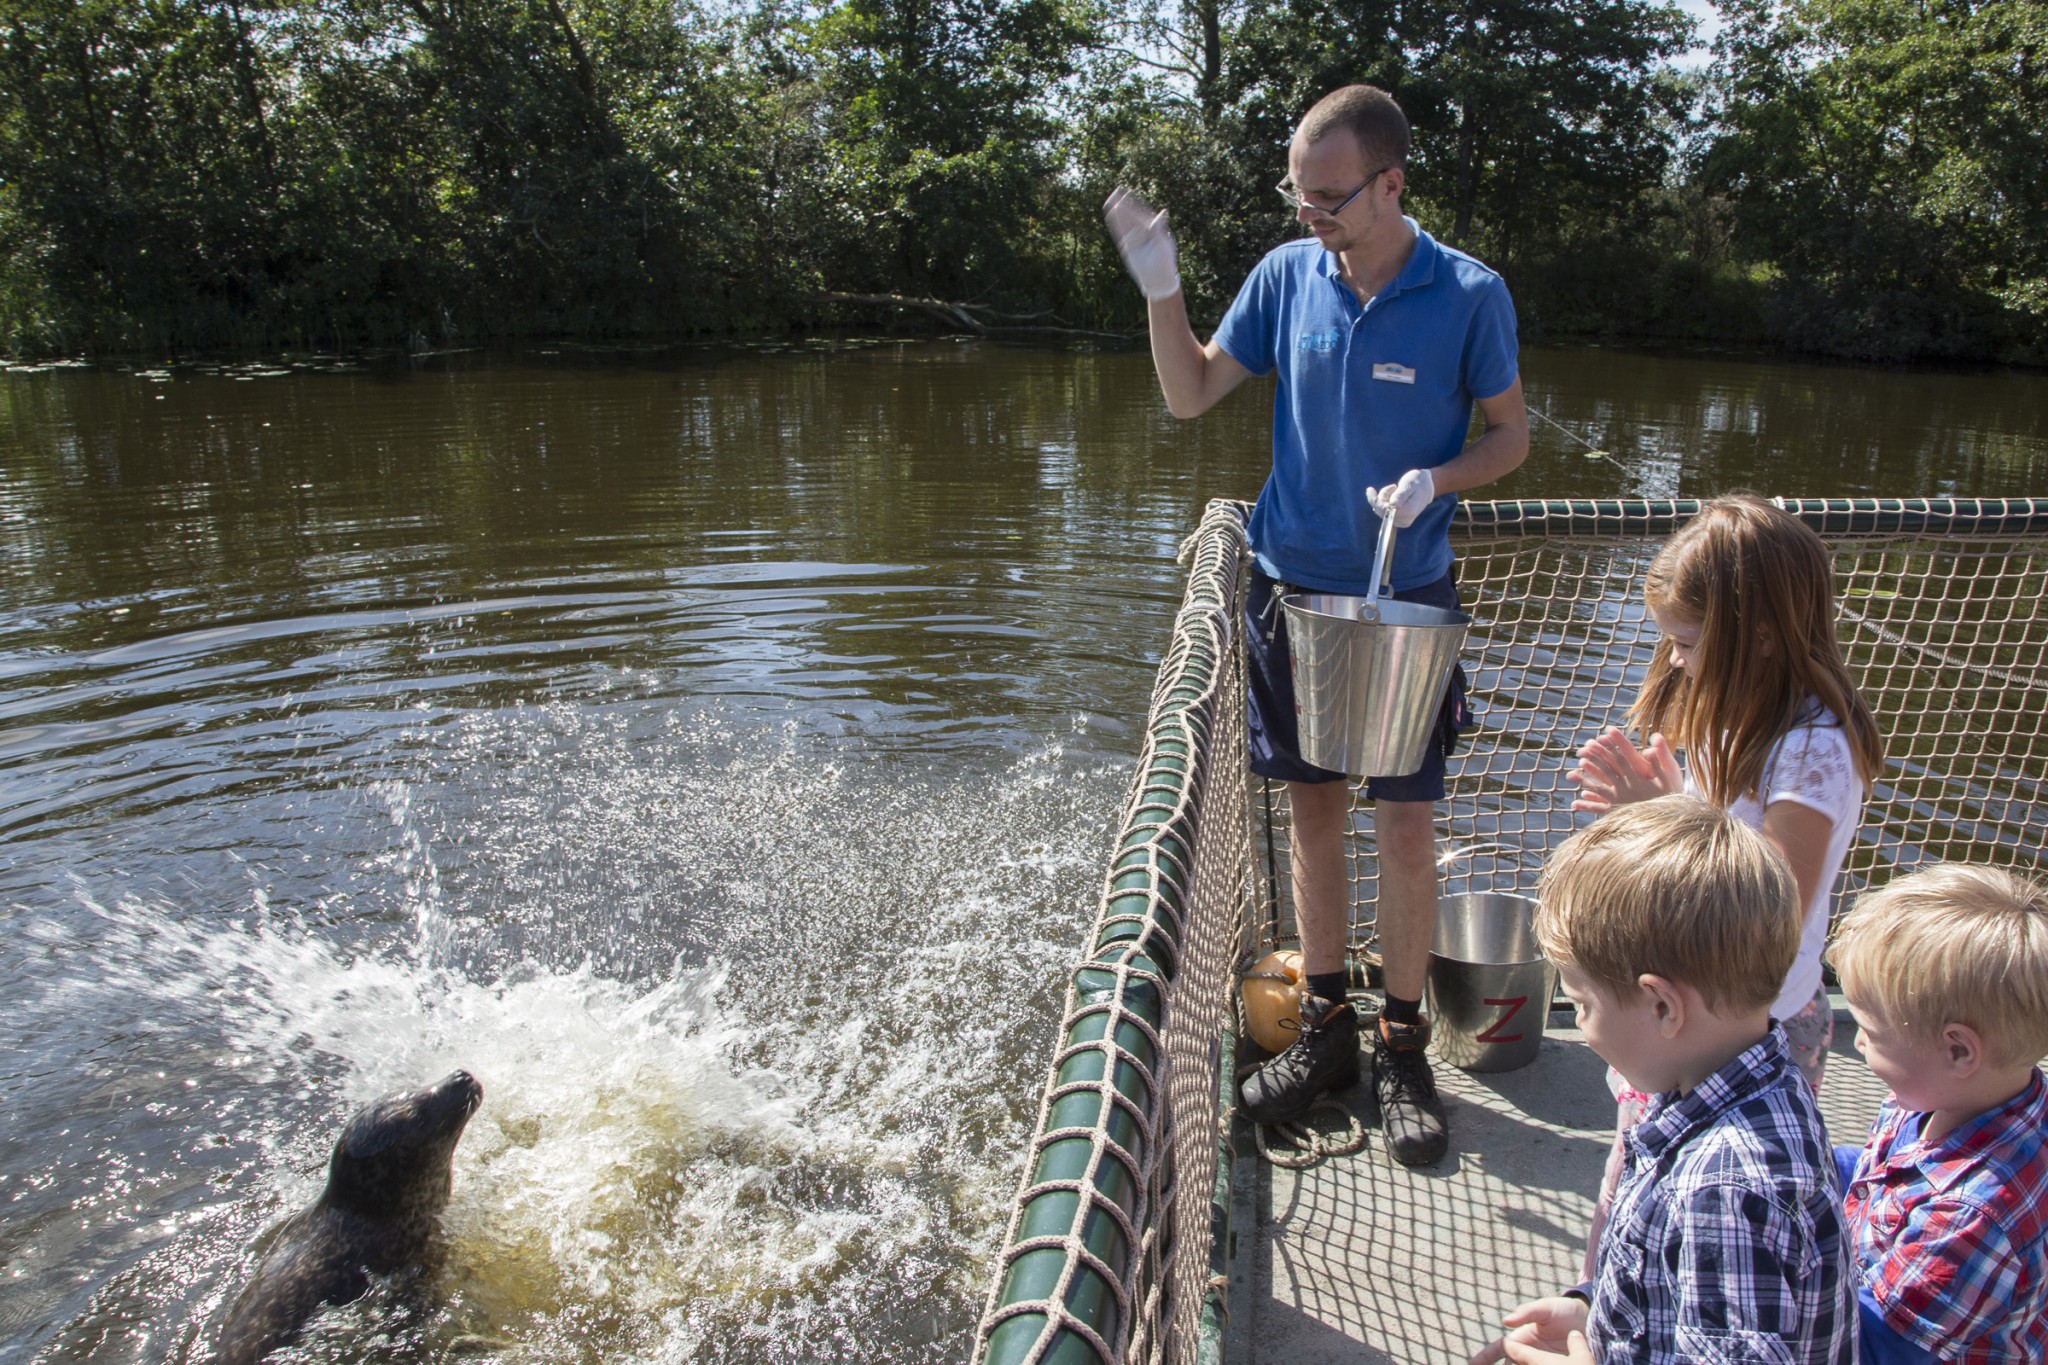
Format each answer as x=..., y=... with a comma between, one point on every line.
x=1953, y=944
x=1675, y=887
x=1761, y=587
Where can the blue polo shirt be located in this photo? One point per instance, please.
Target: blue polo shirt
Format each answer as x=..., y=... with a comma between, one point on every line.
x=1365, y=394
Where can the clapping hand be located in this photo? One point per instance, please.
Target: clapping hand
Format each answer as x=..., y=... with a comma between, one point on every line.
x=1404, y=501
x=1543, y=1332
x=1145, y=243
x=1613, y=772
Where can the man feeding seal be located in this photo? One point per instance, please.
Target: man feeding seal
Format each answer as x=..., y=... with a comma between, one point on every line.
x=1383, y=343
x=387, y=1183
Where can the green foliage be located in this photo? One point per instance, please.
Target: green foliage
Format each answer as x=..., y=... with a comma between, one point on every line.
x=201, y=174
x=139, y=153
x=1890, y=157
x=940, y=127
x=29, y=321
x=1859, y=177
x=1528, y=116
x=1542, y=130
x=1558, y=108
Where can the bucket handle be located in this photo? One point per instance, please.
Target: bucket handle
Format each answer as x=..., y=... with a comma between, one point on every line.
x=1371, y=610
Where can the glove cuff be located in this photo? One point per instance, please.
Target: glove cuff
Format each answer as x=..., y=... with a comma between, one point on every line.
x=1156, y=292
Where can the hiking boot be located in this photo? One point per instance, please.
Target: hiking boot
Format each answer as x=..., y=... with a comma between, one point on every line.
x=1412, y=1118
x=1323, y=1056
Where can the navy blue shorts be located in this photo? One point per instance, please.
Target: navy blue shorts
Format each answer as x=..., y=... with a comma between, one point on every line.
x=1269, y=698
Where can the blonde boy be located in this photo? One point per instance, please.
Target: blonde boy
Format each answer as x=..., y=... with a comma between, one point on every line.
x=1946, y=971
x=1673, y=925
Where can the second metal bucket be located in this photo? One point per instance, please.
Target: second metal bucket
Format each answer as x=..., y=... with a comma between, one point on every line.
x=1489, y=983
x=1367, y=687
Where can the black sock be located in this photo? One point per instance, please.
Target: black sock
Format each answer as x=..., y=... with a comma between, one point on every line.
x=1327, y=985
x=1399, y=1011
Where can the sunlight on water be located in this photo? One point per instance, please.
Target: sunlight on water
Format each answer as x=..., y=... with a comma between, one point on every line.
x=794, y=1142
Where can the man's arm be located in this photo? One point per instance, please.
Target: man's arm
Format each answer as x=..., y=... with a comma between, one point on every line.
x=1192, y=376
x=1498, y=452
x=1502, y=446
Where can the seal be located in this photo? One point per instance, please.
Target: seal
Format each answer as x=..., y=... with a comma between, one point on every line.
x=387, y=1183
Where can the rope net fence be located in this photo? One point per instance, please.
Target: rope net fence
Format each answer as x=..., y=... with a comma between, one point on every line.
x=1108, y=1256
x=1115, y=1246
x=1942, y=619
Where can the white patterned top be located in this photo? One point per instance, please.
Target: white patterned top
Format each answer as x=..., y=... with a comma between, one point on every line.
x=1814, y=764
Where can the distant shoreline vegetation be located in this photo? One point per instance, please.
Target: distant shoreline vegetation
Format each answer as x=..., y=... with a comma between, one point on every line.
x=1859, y=179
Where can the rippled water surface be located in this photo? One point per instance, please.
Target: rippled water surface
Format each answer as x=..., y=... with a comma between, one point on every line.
x=713, y=751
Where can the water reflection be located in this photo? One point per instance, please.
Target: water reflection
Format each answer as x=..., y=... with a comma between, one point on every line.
x=1692, y=426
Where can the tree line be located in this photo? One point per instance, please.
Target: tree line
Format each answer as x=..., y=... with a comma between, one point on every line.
x=1859, y=178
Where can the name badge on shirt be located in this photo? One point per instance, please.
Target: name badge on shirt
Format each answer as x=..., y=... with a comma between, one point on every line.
x=1393, y=373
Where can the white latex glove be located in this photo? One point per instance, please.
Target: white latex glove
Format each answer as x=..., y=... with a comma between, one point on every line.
x=1144, y=242
x=1405, y=500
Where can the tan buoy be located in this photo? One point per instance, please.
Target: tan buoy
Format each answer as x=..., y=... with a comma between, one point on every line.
x=1272, y=1000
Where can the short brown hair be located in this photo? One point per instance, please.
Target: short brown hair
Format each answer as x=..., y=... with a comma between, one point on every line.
x=1679, y=888
x=1369, y=114
x=1953, y=944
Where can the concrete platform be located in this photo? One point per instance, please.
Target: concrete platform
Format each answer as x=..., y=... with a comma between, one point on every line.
x=1361, y=1261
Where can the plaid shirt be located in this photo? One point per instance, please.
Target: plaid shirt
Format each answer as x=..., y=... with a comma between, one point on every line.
x=1725, y=1243
x=1951, y=1236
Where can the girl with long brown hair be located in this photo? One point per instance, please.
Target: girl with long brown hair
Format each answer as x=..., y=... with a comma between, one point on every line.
x=1749, y=682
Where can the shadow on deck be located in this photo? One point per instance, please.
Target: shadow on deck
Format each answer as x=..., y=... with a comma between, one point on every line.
x=1361, y=1261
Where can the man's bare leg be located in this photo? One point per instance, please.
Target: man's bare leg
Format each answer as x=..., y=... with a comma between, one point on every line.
x=1319, y=813
x=1405, y=832
x=1411, y=1115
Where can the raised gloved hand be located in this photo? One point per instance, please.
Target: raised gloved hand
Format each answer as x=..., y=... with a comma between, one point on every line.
x=1405, y=500
x=1144, y=242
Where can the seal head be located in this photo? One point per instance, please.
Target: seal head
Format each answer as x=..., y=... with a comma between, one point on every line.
x=392, y=1160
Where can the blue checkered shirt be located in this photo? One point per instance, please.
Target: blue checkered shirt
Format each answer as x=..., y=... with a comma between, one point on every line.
x=1725, y=1243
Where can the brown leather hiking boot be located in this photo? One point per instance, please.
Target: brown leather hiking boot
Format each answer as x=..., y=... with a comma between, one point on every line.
x=1322, y=1057
x=1412, y=1119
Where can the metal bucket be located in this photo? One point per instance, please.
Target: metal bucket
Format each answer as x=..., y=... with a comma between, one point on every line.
x=1489, y=983
x=1367, y=691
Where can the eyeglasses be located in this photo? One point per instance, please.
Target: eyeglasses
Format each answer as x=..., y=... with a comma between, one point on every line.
x=1296, y=202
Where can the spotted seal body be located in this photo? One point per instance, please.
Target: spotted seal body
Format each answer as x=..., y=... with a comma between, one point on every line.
x=387, y=1183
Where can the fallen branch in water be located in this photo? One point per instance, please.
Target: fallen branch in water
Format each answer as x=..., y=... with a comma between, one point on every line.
x=962, y=314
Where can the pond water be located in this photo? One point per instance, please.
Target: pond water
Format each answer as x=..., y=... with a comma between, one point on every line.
x=714, y=750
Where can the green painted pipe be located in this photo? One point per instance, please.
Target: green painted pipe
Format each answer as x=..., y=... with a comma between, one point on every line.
x=1034, y=1274
x=1013, y=1339
x=1154, y=853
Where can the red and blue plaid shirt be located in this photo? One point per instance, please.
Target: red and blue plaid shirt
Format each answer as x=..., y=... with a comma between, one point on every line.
x=1951, y=1236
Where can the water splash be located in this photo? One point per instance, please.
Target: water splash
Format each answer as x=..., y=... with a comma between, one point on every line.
x=791, y=1141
